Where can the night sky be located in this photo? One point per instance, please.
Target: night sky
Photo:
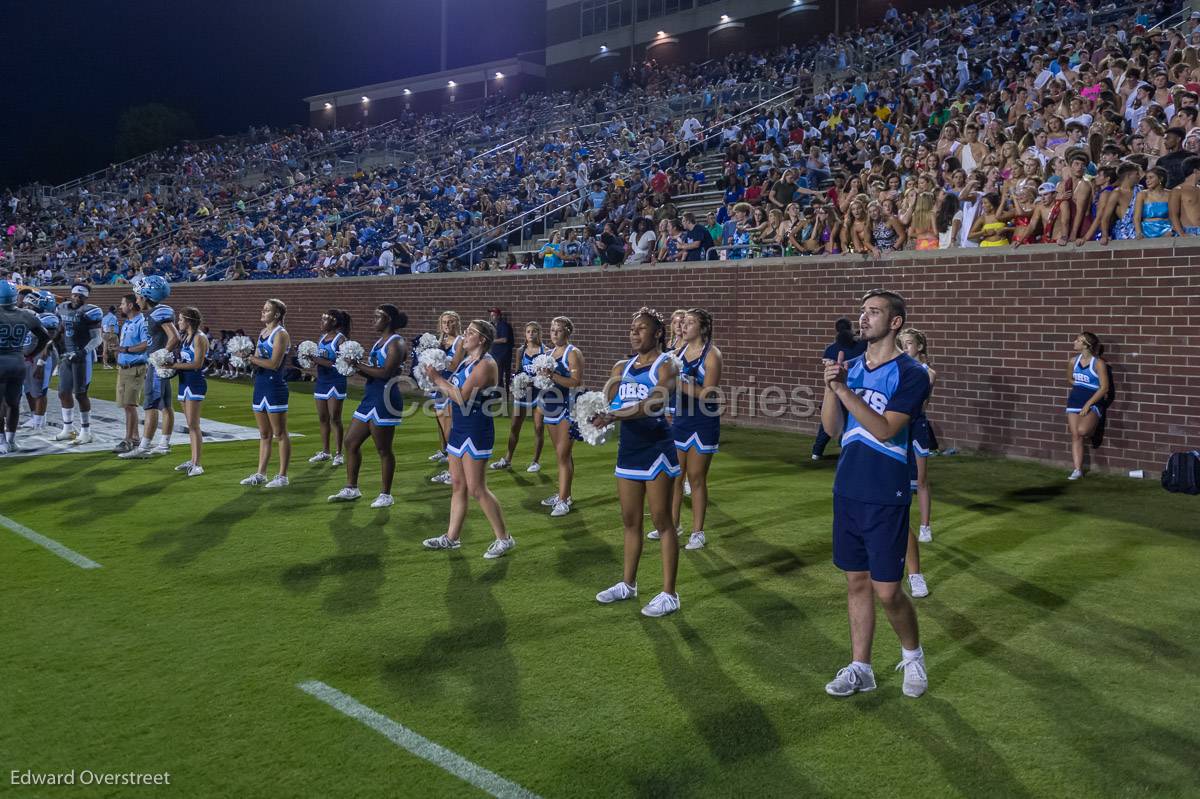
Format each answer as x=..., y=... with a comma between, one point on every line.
x=72, y=67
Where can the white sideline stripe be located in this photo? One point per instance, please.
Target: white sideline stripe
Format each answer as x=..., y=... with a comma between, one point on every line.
x=49, y=543
x=486, y=781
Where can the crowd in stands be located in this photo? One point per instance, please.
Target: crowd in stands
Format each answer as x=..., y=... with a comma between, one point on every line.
x=998, y=124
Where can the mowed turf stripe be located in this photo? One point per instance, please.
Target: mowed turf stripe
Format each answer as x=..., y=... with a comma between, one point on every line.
x=66, y=553
x=417, y=744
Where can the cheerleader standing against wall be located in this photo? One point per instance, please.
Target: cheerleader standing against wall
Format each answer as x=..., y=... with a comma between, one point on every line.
x=525, y=406
x=330, y=391
x=1088, y=376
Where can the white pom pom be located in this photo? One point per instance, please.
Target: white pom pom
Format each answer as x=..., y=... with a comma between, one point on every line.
x=587, y=406
x=540, y=364
x=349, y=354
x=521, y=385
x=431, y=356
x=240, y=346
x=427, y=341
x=161, y=360
x=306, y=352
x=675, y=359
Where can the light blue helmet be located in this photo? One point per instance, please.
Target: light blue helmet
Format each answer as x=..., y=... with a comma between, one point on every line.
x=154, y=288
x=8, y=293
x=44, y=301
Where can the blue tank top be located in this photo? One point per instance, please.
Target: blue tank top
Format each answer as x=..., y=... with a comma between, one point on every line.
x=378, y=357
x=527, y=359
x=266, y=350
x=636, y=384
x=187, y=354
x=1086, y=375
x=327, y=348
x=693, y=372
x=475, y=408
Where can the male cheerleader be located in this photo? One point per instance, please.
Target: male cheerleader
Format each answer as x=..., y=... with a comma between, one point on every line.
x=14, y=324
x=880, y=392
x=80, y=340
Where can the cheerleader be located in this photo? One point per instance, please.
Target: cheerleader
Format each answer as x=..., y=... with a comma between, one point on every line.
x=675, y=341
x=190, y=366
x=555, y=405
x=676, y=336
x=271, y=395
x=1085, y=403
x=449, y=335
x=474, y=394
x=525, y=406
x=381, y=409
x=647, y=464
x=330, y=391
x=923, y=441
x=696, y=425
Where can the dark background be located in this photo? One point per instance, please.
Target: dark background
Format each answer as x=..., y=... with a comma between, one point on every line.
x=72, y=67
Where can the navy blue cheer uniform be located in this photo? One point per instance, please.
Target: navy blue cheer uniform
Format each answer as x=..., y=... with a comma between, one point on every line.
x=696, y=423
x=530, y=399
x=331, y=384
x=556, y=400
x=646, y=448
x=382, y=401
x=472, y=429
x=871, y=489
x=192, y=383
x=440, y=400
x=270, y=389
x=1087, y=383
x=924, y=440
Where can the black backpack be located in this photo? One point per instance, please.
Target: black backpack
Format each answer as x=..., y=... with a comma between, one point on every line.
x=1182, y=475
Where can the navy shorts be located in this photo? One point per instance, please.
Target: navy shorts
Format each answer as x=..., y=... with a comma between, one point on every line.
x=870, y=538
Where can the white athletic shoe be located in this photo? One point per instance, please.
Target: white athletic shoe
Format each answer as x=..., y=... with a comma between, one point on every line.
x=441, y=477
x=347, y=494
x=255, y=479
x=653, y=535
x=162, y=449
x=195, y=471
x=279, y=482
x=915, y=678
x=439, y=457
x=916, y=584
x=499, y=548
x=534, y=467
x=85, y=437
x=136, y=452
x=67, y=434
x=338, y=460
x=617, y=593
x=503, y=463
x=383, y=501
x=1075, y=475
x=3, y=447
x=183, y=467
x=925, y=536
x=851, y=681
x=561, y=508
x=696, y=541
x=441, y=542
x=319, y=457
x=550, y=501
x=687, y=488
x=816, y=457
x=661, y=605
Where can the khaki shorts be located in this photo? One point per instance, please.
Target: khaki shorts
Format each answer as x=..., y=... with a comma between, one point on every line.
x=130, y=385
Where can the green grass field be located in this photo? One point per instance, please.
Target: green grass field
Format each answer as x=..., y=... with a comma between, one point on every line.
x=1061, y=633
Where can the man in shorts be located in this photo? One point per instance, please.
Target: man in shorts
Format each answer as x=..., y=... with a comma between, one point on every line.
x=131, y=369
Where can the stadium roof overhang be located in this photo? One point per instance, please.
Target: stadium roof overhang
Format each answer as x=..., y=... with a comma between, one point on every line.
x=433, y=81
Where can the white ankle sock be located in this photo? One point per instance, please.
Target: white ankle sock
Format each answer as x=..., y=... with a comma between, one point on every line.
x=864, y=668
x=912, y=654
x=68, y=415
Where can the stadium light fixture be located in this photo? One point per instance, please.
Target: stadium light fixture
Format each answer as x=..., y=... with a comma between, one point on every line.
x=408, y=91
x=662, y=34
x=451, y=84
x=724, y=17
x=366, y=99
x=499, y=75
x=604, y=48
x=328, y=106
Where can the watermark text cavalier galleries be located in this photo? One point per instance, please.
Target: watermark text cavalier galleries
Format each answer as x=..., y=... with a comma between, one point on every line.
x=89, y=777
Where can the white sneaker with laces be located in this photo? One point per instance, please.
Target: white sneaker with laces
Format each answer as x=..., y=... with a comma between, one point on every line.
x=534, y=467
x=653, y=535
x=439, y=457
x=255, y=479
x=441, y=477
x=441, y=542
x=1075, y=475
x=278, y=482
x=162, y=449
x=338, y=460
x=183, y=467
x=550, y=501
x=320, y=457
x=67, y=434
x=84, y=437
x=347, y=494
x=618, y=592
x=136, y=452
x=851, y=681
x=499, y=548
x=503, y=463
x=561, y=508
x=383, y=501
x=916, y=681
x=696, y=541
x=661, y=605
x=687, y=488
x=916, y=584
x=195, y=471
x=925, y=536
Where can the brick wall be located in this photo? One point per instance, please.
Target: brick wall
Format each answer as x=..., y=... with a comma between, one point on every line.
x=1000, y=330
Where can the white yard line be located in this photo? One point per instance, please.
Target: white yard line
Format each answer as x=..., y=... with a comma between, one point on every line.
x=487, y=781
x=49, y=543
